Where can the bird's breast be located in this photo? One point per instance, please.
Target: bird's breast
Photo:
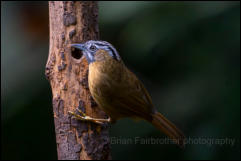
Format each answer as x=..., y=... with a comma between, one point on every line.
x=104, y=78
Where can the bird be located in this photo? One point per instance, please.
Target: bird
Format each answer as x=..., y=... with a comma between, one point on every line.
x=118, y=91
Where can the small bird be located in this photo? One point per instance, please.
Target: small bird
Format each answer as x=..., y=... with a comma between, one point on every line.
x=118, y=92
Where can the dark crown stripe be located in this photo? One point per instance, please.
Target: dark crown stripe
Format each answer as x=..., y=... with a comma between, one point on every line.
x=113, y=52
x=109, y=46
x=100, y=44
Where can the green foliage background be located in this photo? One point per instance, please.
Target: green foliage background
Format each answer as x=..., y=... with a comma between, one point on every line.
x=186, y=53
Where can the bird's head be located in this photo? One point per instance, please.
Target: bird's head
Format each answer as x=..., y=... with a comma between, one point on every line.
x=97, y=50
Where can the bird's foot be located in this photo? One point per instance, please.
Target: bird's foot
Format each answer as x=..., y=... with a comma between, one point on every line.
x=84, y=117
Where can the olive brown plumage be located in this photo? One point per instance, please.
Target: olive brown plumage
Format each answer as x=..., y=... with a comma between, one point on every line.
x=118, y=92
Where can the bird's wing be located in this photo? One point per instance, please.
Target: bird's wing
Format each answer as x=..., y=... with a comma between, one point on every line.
x=132, y=97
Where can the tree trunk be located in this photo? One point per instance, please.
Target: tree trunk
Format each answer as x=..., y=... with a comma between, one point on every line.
x=67, y=71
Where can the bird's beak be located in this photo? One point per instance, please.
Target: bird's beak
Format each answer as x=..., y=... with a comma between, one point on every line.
x=78, y=46
x=88, y=55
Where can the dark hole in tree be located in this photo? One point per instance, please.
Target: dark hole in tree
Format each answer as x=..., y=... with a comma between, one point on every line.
x=76, y=53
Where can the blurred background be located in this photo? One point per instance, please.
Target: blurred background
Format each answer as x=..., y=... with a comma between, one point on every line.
x=186, y=53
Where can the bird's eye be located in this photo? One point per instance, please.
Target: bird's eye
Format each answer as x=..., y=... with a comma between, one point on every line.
x=93, y=48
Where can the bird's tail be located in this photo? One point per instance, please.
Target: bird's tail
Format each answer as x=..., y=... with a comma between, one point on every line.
x=160, y=122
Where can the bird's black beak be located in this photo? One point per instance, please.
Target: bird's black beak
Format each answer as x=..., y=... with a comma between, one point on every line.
x=89, y=56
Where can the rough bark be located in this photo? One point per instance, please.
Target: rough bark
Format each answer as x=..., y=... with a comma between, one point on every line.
x=67, y=71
